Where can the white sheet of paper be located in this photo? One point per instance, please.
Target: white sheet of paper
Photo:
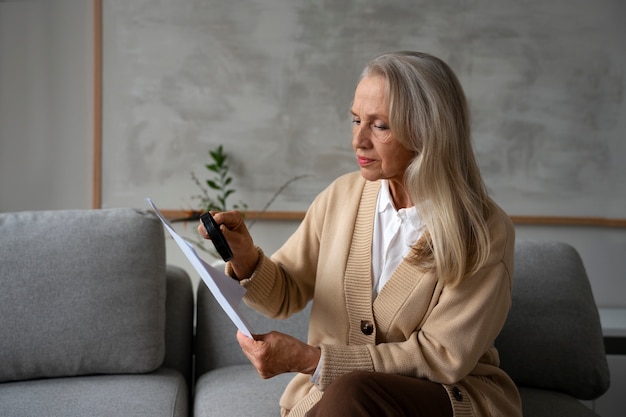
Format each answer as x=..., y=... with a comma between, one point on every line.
x=226, y=291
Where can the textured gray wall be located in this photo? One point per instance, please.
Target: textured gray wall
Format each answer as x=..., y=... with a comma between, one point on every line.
x=272, y=80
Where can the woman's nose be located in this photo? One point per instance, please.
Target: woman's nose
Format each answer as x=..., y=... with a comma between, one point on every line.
x=360, y=137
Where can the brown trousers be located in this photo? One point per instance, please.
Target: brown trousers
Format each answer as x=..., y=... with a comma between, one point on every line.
x=376, y=394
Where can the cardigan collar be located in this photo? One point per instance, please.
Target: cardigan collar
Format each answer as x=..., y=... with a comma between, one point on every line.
x=358, y=277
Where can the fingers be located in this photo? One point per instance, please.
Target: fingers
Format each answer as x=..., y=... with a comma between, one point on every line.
x=244, y=341
x=233, y=227
x=202, y=231
x=230, y=222
x=255, y=351
x=260, y=354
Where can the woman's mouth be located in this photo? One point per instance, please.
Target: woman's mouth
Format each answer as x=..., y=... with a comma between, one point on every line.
x=363, y=160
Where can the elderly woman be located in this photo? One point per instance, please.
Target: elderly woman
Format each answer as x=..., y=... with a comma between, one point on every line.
x=408, y=263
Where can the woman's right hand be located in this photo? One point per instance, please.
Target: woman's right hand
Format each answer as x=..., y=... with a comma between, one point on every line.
x=235, y=231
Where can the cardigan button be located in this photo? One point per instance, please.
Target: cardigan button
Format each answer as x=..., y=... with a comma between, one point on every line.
x=367, y=327
x=458, y=395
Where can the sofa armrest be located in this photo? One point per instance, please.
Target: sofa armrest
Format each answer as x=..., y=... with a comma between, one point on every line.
x=552, y=338
x=179, y=322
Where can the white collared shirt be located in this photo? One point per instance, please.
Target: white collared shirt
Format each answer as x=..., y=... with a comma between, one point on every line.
x=395, y=232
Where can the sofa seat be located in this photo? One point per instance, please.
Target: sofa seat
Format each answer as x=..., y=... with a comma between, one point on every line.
x=237, y=390
x=161, y=393
x=240, y=391
x=544, y=403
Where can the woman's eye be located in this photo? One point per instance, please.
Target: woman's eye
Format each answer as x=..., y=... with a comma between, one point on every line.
x=356, y=121
x=381, y=127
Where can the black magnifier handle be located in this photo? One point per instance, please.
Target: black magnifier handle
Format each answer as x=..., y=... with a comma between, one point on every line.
x=217, y=237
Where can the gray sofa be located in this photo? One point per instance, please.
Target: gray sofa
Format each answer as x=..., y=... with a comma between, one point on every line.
x=93, y=322
x=551, y=344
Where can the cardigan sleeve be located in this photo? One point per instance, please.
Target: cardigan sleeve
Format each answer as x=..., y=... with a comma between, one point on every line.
x=272, y=288
x=284, y=283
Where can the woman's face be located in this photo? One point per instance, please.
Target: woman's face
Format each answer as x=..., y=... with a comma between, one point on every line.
x=378, y=153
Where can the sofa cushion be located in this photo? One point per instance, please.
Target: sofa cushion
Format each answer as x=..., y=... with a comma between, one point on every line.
x=162, y=393
x=238, y=390
x=81, y=292
x=552, y=338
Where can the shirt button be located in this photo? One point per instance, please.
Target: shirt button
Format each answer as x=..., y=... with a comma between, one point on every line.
x=458, y=395
x=366, y=327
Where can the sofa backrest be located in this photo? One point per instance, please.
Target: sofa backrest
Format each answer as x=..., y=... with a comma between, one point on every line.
x=81, y=292
x=552, y=338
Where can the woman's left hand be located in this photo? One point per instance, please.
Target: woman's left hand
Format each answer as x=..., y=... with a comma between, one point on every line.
x=275, y=353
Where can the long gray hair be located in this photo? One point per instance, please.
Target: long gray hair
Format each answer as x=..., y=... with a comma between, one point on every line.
x=428, y=114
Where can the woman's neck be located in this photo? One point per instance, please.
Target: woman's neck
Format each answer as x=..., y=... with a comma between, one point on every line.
x=401, y=199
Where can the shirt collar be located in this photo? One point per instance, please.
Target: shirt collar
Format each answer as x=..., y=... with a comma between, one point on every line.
x=384, y=198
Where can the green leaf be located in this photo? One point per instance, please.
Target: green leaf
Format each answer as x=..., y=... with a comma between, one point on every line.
x=213, y=184
x=218, y=155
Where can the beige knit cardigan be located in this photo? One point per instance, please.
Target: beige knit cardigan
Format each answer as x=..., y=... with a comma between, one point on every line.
x=422, y=327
